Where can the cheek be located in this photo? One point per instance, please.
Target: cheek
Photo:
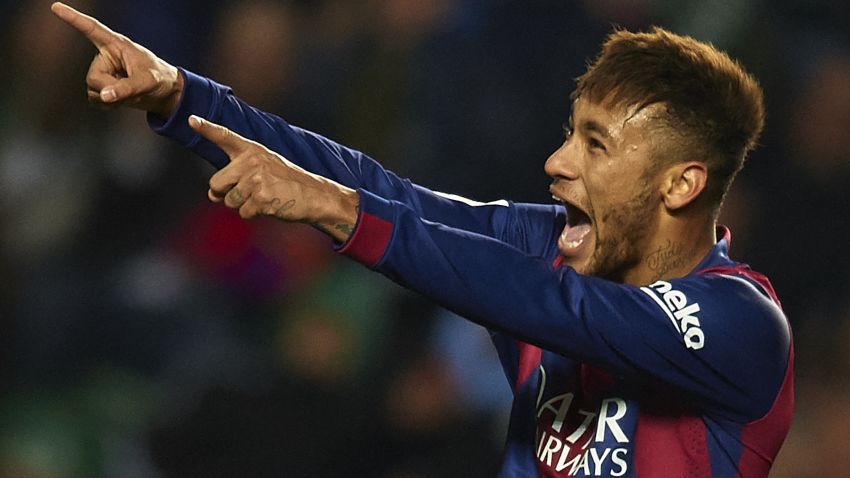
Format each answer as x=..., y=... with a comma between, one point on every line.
x=608, y=193
x=606, y=175
x=617, y=181
x=625, y=204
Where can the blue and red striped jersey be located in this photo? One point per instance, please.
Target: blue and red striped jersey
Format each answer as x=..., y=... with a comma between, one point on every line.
x=691, y=376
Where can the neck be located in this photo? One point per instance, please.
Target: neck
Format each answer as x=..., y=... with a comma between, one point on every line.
x=674, y=251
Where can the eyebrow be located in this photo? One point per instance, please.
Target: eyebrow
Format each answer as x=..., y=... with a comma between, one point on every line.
x=593, y=126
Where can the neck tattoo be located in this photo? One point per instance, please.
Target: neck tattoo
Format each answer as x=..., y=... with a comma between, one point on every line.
x=665, y=258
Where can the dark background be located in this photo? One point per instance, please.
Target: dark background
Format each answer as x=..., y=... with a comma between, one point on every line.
x=145, y=332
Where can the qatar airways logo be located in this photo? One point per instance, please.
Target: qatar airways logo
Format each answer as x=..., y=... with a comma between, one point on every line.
x=581, y=441
x=682, y=314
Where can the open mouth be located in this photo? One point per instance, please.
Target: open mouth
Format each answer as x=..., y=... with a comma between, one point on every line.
x=576, y=230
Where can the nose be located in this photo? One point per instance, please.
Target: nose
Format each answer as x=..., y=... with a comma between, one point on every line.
x=561, y=163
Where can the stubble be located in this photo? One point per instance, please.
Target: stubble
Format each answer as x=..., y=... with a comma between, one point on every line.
x=627, y=229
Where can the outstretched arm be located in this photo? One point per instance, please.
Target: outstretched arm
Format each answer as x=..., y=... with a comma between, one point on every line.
x=692, y=334
x=125, y=73
x=678, y=333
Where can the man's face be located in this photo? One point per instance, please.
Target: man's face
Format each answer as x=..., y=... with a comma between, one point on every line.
x=604, y=175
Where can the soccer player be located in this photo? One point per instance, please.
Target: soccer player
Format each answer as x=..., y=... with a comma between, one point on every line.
x=634, y=345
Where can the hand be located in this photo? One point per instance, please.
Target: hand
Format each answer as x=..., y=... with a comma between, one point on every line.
x=124, y=72
x=258, y=182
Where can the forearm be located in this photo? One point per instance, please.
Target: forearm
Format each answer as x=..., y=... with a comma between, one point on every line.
x=528, y=227
x=483, y=279
x=215, y=102
x=340, y=213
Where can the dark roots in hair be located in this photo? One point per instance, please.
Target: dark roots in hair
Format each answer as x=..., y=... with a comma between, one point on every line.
x=711, y=101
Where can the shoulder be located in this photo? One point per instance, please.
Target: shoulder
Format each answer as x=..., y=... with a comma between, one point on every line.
x=748, y=297
x=731, y=305
x=734, y=322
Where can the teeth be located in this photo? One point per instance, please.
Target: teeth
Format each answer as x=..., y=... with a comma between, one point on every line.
x=570, y=244
x=557, y=199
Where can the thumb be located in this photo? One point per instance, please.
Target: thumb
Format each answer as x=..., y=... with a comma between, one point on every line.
x=124, y=89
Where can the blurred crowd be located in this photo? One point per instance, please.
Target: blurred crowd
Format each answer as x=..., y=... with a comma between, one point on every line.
x=145, y=332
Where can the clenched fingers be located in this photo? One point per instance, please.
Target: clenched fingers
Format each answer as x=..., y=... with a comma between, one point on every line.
x=246, y=201
x=235, y=198
x=223, y=181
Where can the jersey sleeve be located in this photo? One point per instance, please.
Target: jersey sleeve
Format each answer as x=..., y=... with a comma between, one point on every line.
x=526, y=226
x=716, y=338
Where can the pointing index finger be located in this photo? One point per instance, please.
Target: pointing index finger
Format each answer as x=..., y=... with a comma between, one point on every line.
x=96, y=32
x=231, y=143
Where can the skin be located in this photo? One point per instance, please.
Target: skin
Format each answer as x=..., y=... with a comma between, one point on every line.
x=260, y=182
x=257, y=181
x=647, y=220
x=124, y=73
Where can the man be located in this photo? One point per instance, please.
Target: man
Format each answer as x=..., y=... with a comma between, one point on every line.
x=634, y=345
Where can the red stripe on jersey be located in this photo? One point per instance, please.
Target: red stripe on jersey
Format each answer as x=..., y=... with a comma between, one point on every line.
x=761, y=439
x=671, y=445
x=529, y=360
x=558, y=262
x=370, y=239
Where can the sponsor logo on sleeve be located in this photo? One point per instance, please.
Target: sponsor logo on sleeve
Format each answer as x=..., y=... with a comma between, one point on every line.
x=682, y=313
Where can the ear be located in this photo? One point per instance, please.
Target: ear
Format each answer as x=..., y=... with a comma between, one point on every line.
x=683, y=183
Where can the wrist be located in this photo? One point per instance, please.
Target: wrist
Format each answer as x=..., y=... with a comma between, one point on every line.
x=172, y=98
x=340, y=217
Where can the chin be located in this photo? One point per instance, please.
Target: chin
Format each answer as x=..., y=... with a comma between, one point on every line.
x=612, y=267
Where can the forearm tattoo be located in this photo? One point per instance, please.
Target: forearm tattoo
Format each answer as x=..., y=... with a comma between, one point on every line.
x=342, y=227
x=346, y=229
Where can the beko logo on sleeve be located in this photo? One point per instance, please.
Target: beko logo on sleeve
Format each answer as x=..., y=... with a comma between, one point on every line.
x=682, y=314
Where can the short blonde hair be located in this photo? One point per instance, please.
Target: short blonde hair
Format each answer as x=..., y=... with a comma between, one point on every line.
x=711, y=101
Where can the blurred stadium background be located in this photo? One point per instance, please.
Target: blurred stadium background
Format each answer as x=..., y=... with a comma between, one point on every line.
x=147, y=333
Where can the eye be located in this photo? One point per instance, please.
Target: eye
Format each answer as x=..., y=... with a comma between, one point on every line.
x=568, y=131
x=593, y=143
